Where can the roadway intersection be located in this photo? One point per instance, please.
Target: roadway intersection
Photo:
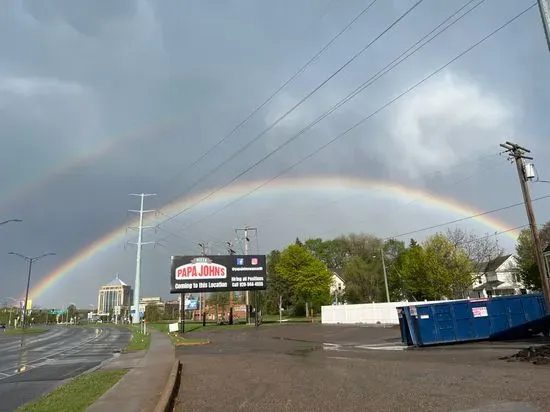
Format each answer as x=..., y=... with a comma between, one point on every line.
x=34, y=364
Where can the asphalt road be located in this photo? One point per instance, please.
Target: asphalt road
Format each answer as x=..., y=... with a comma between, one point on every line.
x=313, y=367
x=34, y=364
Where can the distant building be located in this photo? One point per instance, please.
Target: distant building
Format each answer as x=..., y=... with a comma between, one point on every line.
x=115, y=293
x=337, y=288
x=499, y=277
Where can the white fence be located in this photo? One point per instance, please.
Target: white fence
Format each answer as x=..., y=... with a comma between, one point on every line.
x=366, y=313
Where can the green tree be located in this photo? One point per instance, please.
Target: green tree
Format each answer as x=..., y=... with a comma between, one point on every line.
x=308, y=277
x=152, y=313
x=526, y=258
x=278, y=288
x=450, y=269
x=363, y=281
x=435, y=270
x=71, y=312
x=332, y=252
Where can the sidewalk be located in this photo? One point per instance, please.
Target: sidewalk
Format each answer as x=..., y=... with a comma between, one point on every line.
x=140, y=389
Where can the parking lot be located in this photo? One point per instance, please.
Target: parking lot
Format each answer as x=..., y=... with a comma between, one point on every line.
x=314, y=367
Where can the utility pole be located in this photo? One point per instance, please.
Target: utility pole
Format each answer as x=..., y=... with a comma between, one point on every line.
x=544, y=8
x=31, y=260
x=136, y=318
x=385, y=275
x=517, y=153
x=246, y=230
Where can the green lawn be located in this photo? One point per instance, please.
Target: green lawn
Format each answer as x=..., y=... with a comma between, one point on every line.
x=76, y=395
x=25, y=331
x=139, y=341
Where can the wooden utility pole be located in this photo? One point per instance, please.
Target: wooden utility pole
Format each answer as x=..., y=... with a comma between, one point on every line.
x=517, y=153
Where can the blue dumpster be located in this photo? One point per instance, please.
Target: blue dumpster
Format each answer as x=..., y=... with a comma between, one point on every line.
x=498, y=318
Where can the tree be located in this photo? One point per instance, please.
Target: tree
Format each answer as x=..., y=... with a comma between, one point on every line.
x=479, y=249
x=435, y=270
x=449, y=266
x=526, y=258
x=308, y=277
x=332, y=252
x=152, y=313
x=71, y=312
x=363, y=281
x=278, y=289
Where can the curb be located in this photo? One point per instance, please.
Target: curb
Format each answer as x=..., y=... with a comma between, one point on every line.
x=192, y=343
x=169, y=393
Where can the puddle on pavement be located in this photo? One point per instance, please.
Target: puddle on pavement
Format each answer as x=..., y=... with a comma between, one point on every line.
x=303, y=351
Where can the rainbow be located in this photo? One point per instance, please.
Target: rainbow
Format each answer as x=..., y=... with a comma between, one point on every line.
x=276, y=188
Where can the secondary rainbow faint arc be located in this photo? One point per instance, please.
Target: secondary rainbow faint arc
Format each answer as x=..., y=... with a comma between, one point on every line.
x=321, y=183
x=113, y=143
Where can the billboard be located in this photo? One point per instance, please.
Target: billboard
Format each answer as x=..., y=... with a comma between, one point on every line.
x=217, y=273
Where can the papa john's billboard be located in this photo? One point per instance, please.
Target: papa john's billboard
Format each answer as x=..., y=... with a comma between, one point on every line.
x=218, y=273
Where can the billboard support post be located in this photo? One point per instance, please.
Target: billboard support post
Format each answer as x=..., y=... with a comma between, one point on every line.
x=182, y=314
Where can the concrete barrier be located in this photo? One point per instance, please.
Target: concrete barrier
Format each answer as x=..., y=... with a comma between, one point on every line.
x=168, y=396
x=384, y=313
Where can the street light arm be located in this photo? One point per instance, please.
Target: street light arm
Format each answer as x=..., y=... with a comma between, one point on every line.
x=44, y=255
x=9, y=221
x=20, y=255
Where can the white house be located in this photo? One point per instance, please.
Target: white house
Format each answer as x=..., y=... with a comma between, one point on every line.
x=337, y=288
x=499, y=277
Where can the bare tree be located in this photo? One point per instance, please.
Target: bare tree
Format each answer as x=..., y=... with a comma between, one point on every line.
x=479, y=249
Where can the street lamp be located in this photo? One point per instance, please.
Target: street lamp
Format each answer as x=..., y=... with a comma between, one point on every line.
x=385, y=275
x=9, y=221
x=30, y=260
x=544, y=8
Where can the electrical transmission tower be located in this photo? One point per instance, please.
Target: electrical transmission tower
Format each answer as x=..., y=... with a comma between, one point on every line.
x=230, y=249
x=205, y=248
x=525, y=173
x=139, y=244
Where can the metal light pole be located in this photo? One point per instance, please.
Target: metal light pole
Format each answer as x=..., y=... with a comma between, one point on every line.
x=544, y=7
x=9, y=221
x=31, y=260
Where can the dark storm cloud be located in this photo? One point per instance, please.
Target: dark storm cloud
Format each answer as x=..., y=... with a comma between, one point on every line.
x=168, y=79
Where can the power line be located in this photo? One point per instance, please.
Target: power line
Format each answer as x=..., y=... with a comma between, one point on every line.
x=354, y=126
x=500, y=209
x=276, y=92
x=280, y=118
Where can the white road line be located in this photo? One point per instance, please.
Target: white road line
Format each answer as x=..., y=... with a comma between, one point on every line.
x=382, y=347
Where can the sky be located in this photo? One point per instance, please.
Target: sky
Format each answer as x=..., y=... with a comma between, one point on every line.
x=101, y=99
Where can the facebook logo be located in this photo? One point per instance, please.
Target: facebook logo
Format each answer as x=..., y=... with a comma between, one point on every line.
x=240, y=261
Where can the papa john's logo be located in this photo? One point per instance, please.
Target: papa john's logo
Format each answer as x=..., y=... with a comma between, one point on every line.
x=201, y=268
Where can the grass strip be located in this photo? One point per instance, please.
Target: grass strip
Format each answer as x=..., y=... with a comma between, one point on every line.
x=26, y=331
x=139, y=341
x=78, y=394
